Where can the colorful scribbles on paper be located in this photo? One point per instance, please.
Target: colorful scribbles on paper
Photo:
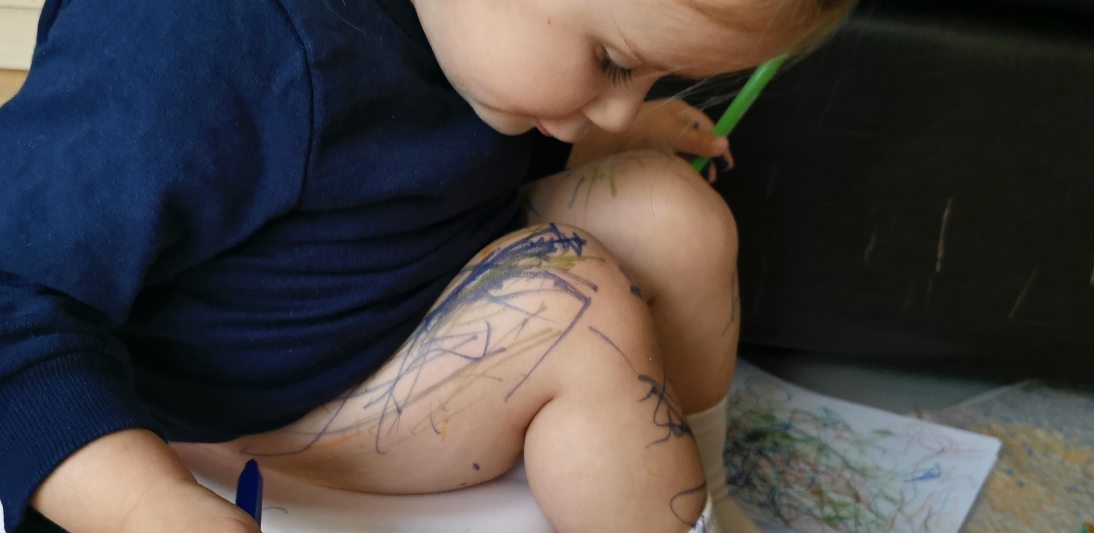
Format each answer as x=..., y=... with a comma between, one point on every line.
x=801, y=461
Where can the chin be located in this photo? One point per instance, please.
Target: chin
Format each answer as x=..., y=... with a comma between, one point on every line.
x=511, y=129
x=502, y=123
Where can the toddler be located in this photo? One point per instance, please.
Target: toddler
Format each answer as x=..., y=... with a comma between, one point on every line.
x=350, y=238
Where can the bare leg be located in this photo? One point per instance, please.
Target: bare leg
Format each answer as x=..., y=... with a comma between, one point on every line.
x=539, y=345
x=677, y=238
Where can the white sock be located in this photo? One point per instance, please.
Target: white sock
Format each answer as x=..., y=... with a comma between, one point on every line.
x=709, y=429
x=706, y=522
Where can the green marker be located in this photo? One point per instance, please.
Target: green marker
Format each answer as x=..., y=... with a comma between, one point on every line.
x=744, y=100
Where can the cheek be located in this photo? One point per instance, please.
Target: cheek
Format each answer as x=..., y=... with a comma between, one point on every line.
x=535, y=73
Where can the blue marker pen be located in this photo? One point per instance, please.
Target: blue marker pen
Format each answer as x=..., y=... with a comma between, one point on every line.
x=249, y=491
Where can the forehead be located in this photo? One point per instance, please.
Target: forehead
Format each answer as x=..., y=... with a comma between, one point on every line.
x=674, y=36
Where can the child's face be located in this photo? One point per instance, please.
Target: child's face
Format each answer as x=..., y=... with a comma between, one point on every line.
x=561, y=64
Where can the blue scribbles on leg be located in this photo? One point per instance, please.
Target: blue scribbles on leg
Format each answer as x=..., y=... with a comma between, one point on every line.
x=463, y=328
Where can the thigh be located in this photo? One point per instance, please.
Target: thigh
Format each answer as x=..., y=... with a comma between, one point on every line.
x=452, y=406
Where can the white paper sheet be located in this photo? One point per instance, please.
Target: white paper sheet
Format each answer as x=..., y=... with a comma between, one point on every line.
x=801, y=461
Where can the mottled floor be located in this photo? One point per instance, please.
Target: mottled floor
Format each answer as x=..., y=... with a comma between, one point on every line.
x=1044, y=478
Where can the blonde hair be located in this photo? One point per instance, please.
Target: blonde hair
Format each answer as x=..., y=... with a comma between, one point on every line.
x=806, y=22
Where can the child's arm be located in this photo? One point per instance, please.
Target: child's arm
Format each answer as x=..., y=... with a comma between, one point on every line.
x=149, y=137
x=132, y=481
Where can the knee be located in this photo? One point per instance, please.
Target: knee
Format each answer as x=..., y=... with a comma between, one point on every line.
x=689, y=223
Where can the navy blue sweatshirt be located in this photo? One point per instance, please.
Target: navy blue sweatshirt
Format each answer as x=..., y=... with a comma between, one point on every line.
x=216, y=216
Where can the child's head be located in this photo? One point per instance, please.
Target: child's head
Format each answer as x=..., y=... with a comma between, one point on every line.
x=561, y=64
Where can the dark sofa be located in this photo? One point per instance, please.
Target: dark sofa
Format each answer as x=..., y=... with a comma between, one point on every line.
x=923, y=186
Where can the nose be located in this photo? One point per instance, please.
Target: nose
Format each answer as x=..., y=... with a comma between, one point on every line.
x=615, y=109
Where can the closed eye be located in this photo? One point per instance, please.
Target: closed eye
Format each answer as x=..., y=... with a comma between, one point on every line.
x=616, y=74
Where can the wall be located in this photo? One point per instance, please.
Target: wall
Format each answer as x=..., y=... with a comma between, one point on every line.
x=18, y=25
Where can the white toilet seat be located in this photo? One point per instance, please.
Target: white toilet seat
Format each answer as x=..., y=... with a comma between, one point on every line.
x=502, y=505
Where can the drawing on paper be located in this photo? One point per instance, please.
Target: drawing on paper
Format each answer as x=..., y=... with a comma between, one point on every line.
x=802, y=461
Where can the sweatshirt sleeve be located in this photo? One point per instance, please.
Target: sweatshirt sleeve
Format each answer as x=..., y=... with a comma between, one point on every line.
x=149, y=136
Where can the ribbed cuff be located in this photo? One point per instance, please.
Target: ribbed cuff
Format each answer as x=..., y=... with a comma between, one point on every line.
x=50, y=410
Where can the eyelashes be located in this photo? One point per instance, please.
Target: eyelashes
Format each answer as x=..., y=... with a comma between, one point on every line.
x=616, y=74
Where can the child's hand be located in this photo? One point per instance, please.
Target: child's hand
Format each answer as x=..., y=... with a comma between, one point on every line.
x=186, y=507
x=131, y=481
x=664, y=125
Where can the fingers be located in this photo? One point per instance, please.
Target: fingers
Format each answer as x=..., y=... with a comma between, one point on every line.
x=723, y=158
x=699, y=119
x=702, y=122
x=729, y=161
x=674, y=125
x=724, y=163
x=691, y=139
x=696, y=135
